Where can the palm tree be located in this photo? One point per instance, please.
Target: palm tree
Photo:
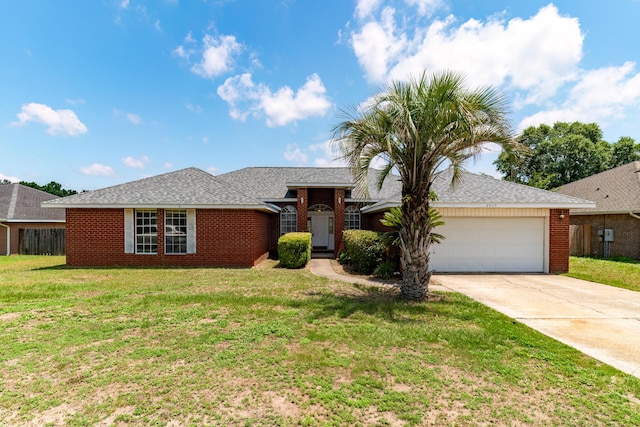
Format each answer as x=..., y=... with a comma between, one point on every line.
x=417, y=129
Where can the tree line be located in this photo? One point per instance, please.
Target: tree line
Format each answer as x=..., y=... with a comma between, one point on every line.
x=52, y=187
x=563, y=153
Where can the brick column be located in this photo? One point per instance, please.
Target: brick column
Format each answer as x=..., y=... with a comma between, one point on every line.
x=338, y=218
x=558, y=241
x=303, y=203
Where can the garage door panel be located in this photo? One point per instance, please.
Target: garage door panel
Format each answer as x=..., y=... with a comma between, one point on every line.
x=490, y=245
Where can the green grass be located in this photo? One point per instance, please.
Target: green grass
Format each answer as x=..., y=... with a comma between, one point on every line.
x=270, y=346
x=620, y=272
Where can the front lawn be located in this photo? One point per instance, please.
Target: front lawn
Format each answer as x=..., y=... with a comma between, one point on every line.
x=270, y=346
x=619, y=272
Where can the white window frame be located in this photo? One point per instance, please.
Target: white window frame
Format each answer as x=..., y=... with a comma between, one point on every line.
x=288, y=219
x=352, y=218
x=175, y=229
x=146, y=239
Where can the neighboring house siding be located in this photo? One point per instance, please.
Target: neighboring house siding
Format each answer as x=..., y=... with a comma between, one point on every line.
x=15, y=234
x=626, y=237
x=558, y=241
x=224, y=237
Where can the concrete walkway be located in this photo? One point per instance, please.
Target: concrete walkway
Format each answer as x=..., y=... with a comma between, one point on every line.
x=601, y=321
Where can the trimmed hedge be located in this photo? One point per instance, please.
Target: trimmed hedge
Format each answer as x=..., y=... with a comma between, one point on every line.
x=364, y=249
x=294, y=249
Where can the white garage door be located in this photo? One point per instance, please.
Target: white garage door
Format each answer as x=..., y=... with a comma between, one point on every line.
x=490, y=245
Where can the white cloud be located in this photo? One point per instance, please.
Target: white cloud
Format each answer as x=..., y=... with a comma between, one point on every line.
x=97, y=169
x=212, y=170
x=74, y=102
x=294, y=154
x=281, y=107
x=327, y=155
x=365, y=8
x=167, y=165
x=536, y=55
x=124, y=4
x=157, y=25
x=64, y=122
x=205, y=139
x=217, y=56
x=425, y=7
x=135, y=163
x=193, y=108
x=134, y=118
x=600, y=95
x=9, y=178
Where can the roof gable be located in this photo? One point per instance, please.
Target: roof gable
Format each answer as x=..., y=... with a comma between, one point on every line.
x=272, y=183
x=189, y=187
x=614, y=190
x=22, y=203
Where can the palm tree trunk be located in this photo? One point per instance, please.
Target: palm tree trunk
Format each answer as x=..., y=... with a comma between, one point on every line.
x=414, y=242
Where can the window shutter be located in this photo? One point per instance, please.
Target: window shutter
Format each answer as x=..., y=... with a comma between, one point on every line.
x=128, y=231
x=191, y=231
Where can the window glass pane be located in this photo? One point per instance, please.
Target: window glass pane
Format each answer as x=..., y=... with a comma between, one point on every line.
x=288, y=219
x=146, y=232
x=175, y=231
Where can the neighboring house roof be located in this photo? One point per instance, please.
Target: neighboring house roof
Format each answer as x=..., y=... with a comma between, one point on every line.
x=616, y=190
x=186, y=188
x=19, y=203
x=273, y=183
x=478, y=191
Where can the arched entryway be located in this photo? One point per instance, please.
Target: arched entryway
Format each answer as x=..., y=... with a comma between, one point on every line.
x=320, y=219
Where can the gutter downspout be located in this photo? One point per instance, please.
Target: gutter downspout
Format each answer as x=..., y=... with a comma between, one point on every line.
x=9, y=238
x=630, y=213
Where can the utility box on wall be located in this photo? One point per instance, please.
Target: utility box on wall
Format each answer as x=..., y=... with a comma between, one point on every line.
x=606, y=234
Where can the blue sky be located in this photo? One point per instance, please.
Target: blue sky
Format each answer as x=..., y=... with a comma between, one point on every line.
x=95, y=93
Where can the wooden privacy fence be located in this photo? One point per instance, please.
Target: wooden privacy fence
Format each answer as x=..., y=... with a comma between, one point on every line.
x=580, y=240
x=41, y=241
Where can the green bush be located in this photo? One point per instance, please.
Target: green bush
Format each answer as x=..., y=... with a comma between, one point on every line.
x=294, y=249
x=343, y=258
x=385, y=269
x=364, y=249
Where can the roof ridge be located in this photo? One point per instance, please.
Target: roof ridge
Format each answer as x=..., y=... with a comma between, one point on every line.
x=12, y=203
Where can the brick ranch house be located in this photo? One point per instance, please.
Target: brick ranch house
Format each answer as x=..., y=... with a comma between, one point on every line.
x=192, y=218
x=616, y=193
x=21, y=211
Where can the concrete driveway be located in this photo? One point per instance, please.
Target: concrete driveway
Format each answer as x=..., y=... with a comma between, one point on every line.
x=599, y=320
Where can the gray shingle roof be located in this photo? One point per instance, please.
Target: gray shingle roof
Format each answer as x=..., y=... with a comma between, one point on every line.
x=615, y=190
x=479, y=191
x=189, y=187
x=270, y=183
x=21, y=203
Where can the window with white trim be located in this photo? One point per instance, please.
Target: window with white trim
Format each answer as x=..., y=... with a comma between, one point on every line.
x=352, y=218
x=146, y=231
x=288, y=219
x=175, y=231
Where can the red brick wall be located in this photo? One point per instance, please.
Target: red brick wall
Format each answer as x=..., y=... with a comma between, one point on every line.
x=338, y=218
x=224, y=237
x=626, y=234
x=372, y=222
x=303, y=204
x=322, y=196
x=558, y=241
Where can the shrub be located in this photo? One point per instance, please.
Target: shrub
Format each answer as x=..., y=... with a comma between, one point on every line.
x=343, y=257
x=294, y=249
x=364, y=249
x=385, y=269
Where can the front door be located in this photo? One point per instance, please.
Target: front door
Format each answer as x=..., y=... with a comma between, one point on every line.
x=320, y=230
